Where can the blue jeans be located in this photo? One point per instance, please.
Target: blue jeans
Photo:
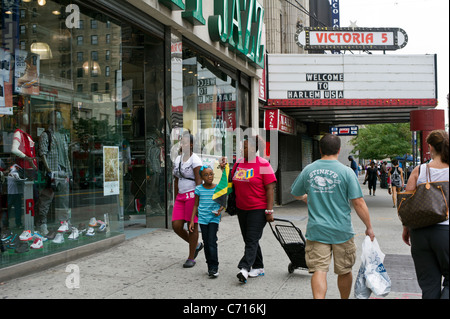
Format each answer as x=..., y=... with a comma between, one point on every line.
x=209, y=235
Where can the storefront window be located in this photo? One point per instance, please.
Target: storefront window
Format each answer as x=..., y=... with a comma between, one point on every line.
x=209, y=104
x=79, y=113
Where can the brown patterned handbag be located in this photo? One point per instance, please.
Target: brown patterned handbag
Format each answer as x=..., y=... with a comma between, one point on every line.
x=424, y=206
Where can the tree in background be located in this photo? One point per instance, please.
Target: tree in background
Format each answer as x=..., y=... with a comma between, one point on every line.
x=378, y=141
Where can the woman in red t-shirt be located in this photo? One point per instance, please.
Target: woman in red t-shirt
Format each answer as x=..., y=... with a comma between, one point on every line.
x=254, y=183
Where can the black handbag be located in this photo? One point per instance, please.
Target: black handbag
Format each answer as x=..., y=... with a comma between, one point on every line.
x=231, y=200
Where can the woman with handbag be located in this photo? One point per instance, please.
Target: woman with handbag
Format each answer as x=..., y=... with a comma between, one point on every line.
x=254, y=182
x=429, y=245
x=186, y=174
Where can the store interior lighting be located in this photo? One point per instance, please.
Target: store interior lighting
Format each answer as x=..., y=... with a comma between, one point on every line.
x=43, y=49
x=42, y=2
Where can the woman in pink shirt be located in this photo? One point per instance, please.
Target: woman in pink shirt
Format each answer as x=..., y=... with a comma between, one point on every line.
x=254, y=183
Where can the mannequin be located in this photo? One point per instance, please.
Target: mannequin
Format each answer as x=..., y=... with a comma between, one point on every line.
x=54, y=153
x=24, y=150
x=23, y=146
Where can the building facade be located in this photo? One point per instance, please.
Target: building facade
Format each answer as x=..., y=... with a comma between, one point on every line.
x=95, y=95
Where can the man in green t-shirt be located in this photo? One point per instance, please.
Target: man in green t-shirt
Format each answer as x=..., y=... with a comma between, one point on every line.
x=328, y=186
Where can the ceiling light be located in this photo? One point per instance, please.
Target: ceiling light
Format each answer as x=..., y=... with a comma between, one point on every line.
x=42, y=2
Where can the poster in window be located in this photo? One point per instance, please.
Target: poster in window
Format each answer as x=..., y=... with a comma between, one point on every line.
x=110, y=170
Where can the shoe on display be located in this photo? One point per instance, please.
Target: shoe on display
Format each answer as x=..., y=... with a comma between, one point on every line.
x=75, y=233
x=37, y=244
x=51, y=235
x=92, y=222
x=59, y=238
x=256, y=272
x=21, y=247
x=12, y=242
x=102, y=227
x=38, y=235
x=6, y=235
x=26, y=235
x=64, y=227
x=90, y=232
x=81, y=228
x=44, y=230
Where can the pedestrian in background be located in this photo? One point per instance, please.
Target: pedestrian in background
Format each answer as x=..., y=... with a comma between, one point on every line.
x=429, y=245
x=353, y=165
x=328, y=186
x=254, y=182
x=371, y=177
x=186, y=174
x=396, y=177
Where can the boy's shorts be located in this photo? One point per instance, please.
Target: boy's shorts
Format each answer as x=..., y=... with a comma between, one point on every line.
x=318, y=256
x=182, y=209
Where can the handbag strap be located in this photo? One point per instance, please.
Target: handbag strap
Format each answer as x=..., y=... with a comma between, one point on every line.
x=427, y=186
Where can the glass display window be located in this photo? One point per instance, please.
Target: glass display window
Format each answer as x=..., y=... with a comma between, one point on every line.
x=78, y=105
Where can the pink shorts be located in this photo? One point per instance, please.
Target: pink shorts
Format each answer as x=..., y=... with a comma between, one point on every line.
x=183, y=207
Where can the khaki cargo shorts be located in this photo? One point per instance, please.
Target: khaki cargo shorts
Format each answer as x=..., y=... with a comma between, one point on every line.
x=318, y=256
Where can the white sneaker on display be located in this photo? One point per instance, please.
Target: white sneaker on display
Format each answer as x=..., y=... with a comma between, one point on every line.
x=64, y=227
x=37, y=244
x=26, y=235
x=75, y=233
x=90, y=232
x=59, y=238
x=256, y=272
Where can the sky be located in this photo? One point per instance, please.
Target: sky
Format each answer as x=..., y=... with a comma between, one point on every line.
x=426, y=23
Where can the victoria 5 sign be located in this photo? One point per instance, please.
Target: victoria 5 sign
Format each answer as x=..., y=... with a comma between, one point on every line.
x=237, y=24
x=351, y=38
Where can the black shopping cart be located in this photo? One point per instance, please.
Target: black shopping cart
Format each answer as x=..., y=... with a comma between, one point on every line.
x=292, y=241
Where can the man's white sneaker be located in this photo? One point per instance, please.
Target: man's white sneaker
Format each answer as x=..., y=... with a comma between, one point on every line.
x=59, y=238
x=64, y=227
x=26, y=235
x=37, y=244
x=243, y=275
x=256, y=272
x=75, y=233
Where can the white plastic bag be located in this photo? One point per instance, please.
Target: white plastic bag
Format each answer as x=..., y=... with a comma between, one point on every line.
x=372, y=276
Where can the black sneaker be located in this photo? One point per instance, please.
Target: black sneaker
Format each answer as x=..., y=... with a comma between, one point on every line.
x=213, y=273
x=21, y=247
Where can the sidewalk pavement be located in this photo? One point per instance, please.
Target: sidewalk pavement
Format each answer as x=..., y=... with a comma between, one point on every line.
x=150, y=265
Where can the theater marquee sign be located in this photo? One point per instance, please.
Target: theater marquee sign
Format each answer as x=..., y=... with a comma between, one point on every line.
x=324, y=38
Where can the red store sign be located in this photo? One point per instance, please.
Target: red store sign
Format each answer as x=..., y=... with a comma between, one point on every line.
x=276, y=120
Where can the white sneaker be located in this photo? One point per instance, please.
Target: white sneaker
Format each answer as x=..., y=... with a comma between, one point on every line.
x=26, y=235
x=37, y=244
x=90, y=232
x=59, y=238
x=256, y=272
x=243, y=275
x=64, y=227
x=102, y=227
x=75, y=233
x=92, y=222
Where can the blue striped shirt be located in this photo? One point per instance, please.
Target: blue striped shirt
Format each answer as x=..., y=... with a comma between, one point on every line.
x=206, y=205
